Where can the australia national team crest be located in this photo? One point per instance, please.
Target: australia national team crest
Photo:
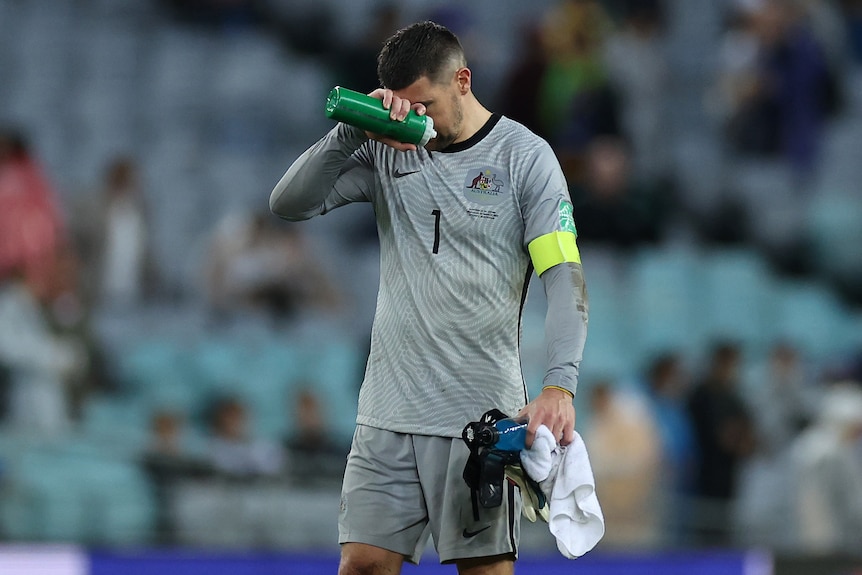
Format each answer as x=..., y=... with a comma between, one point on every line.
x=485, y=185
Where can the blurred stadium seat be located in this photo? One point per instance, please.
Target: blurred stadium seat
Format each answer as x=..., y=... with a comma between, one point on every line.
x=810, y=316
x=664, y=292
x=75, y=491
x=735, y=299
x=835, y=233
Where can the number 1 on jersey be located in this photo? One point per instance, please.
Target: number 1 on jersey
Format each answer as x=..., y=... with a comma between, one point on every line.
x=436, y=214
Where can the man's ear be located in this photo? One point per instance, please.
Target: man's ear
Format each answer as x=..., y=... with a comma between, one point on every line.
x=464, y=78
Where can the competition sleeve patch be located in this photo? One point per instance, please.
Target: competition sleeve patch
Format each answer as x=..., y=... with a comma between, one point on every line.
x=551, y=249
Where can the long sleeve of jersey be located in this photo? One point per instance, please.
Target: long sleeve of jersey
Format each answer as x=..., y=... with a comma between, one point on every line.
x=565, y=324
x=550, y=237
x=327, y=175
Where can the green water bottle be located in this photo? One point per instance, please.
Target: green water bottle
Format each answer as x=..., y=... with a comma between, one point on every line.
x=368, y=113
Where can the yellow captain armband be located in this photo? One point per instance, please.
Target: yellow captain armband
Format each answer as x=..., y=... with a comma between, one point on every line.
x=554, y=248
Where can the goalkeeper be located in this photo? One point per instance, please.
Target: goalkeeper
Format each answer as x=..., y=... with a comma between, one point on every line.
x=463, y=224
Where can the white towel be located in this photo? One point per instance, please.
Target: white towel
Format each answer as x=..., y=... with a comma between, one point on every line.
x=566, y=478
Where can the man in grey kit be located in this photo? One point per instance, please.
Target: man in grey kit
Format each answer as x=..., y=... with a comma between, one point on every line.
x=463, y=224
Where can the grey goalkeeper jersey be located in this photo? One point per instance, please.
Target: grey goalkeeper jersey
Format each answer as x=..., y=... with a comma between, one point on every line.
x=454, y=229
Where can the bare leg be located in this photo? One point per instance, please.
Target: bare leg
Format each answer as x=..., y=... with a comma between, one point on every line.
x=497, y=565
x=362, y=559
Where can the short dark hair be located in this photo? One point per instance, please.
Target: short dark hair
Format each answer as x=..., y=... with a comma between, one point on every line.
x=421, y=49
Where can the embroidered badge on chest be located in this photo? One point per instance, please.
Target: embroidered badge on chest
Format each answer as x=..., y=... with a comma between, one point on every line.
x=486, y=185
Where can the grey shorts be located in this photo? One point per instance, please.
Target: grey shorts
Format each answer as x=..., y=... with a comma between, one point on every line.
x=399, y=488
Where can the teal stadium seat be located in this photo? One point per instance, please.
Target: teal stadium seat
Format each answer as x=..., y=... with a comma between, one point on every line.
x=736, y=301
x=220, y=365
x=123, y=421
x=810, y=316
x=122, y=502
x=835, y=233
x=610, y=349
x=39, y=503
x=162, y=373
x=153, y=362
x=665, y=288
x=73, y=492
x=269, y=370
x=335, y=372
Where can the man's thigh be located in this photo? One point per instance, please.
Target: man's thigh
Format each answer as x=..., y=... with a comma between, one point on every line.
x=382, y=503
x=398, y=488
x=457, y=532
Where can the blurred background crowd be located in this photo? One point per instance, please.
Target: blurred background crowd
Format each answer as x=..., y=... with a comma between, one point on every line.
x=179, y=367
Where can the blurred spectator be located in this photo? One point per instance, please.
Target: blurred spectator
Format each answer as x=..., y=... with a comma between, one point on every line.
x=777, y=83
x=39, y=363
x=854, y=369
x=5, y=390
x=259, y=263
x=38, y=269
x=355, y=64
x=167, y=461
x=827, y=468
x=781, y=395
x=227, y=15
x=852, y=12
x=638, y=70
x=474, y=31
x=576, y=103
x=305, y=28
x=738, y=85
x=234, y=452
x=782, y=400
x=625, y=454
x=69, y=319
x=31, y=228
x=728, y=223
x=667, y=388
x=724, y=433
x=521, y=91
x=315, y=455
x=827, y=23
x=611, y=207
x=112, y=232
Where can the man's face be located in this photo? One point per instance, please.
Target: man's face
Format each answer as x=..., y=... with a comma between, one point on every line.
x=443, y=103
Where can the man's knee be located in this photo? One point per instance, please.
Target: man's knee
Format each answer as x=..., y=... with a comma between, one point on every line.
x=361, y=559
x=496, y=565
x=364, y=567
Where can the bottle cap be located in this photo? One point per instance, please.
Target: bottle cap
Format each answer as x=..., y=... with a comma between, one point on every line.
x=430, y=132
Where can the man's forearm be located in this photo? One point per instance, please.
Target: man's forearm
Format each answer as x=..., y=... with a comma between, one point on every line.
x=565, y=325
x=302, y=191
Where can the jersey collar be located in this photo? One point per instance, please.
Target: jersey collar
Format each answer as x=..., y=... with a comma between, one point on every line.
x=475, y=138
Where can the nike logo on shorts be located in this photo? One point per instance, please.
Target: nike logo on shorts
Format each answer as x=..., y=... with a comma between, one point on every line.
x=399, y=174
x=466, y=534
